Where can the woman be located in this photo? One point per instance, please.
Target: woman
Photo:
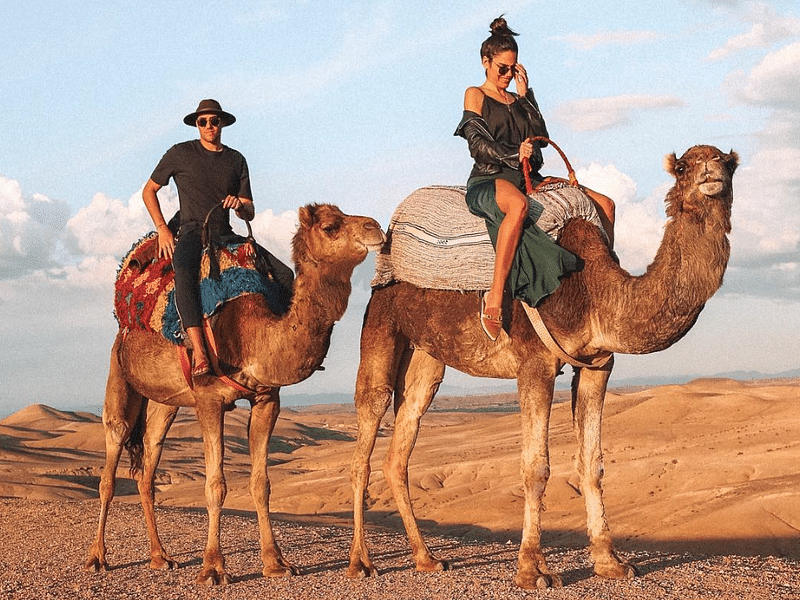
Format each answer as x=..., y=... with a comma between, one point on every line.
x=499, y=126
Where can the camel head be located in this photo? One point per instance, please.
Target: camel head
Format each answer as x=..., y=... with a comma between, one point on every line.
x=703, y=183
x=328, y=237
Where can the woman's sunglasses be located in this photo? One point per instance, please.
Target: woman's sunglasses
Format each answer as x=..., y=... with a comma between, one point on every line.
x=503, y=69
x=212, y=121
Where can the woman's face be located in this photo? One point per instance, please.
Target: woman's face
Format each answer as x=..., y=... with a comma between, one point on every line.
x=500, y=69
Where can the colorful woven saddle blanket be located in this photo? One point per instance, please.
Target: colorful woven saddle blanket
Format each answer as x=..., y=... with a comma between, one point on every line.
x=435, y=242
x=144, y=292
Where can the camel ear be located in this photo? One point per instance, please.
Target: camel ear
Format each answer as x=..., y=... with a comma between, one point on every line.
x=306, y=215
x=732, y=160
x=669, y=164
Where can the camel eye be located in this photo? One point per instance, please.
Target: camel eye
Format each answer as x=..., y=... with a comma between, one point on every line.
x=680, y=169
x=331, y=228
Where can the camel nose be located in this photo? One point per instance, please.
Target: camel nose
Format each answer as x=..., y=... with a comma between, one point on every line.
x=372, y=226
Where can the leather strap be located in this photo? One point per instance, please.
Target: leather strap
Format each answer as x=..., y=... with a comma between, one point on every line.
x=553, y=345
x=214, y=358
x=186, y=365
x=526, y=165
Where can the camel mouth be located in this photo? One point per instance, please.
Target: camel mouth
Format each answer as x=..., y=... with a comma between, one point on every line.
x=374, y=246
x=712, y=187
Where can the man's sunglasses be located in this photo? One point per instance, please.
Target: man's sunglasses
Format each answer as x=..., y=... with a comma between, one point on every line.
x=212, y=121
x=503, y=69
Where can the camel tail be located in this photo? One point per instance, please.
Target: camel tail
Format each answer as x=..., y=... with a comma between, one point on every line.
x=135, y=443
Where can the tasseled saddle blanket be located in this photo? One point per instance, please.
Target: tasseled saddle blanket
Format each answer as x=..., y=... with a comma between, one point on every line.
x=435, y=242
x=144, y=292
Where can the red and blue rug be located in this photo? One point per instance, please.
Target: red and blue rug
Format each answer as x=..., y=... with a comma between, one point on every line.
x=144, y=292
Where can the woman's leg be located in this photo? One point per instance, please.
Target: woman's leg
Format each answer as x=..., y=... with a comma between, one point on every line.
x=186, y=262
x=514, y=205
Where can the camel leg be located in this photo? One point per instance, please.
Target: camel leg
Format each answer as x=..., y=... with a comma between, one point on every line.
x=588, y=395
x=159, y=420
x=371, y=405
x=121, y=410
x=418, y=382
x=382, y=349
x=264, y=412
x=536, y=382
x=211, y=418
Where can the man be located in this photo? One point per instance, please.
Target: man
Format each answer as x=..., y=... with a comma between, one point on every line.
x=206, y=173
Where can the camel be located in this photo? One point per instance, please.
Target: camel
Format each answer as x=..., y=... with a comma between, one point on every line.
x=146, y=384
x=410, y=334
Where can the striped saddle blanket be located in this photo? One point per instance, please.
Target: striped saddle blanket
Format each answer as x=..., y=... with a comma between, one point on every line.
x=144, y=292
x=435, y=242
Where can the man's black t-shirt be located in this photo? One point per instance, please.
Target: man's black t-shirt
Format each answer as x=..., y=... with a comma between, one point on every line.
x=203, y=178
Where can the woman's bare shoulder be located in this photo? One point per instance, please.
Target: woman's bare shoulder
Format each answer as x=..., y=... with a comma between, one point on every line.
x=473, y=99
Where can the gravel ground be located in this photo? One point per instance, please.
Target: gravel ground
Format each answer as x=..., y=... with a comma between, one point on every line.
x=45, y=544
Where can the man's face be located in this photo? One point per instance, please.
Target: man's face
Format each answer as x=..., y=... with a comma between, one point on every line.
x=210, y=127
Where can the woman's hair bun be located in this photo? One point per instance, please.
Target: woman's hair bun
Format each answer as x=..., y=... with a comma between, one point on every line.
x=501, y=40
x=500, y=27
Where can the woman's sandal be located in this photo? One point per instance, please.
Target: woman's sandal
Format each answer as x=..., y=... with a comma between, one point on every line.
x=492, y=323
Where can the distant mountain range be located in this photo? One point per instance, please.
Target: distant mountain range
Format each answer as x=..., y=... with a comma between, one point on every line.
x=290, y=400
x=562, y=383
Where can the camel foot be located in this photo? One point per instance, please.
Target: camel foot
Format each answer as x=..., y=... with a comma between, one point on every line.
x=359, y=570
x=432, y=565
x=211, y=578
x=283, y=570
x=619, y=570
x=538, y=581
x=95, y=565
x=163, y=563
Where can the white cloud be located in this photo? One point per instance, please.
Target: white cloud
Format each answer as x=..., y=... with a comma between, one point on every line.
x=766, y=213
x=30, y=229
x=275, y=232
x=109, y=227
x=609, y=38
x=767, y=28
x=774, y=81
x=37, y=237
x=639, y=222
x=594, y=114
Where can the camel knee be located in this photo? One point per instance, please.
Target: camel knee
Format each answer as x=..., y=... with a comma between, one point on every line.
x=216, y=491
x=145, y=486
x=260, y=486
x=535, y=475
x=108, y=483
x=395, y=471
x=373, y=401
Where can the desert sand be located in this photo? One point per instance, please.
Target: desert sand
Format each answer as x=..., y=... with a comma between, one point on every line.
x=702, y=493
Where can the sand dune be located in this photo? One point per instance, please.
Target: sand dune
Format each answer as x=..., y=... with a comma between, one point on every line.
x=710, y=467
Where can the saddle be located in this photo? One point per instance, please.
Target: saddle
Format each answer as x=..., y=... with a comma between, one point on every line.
x=144, y=290
x=433, y=241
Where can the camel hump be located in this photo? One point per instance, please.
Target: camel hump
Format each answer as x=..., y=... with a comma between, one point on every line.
x=435, y=242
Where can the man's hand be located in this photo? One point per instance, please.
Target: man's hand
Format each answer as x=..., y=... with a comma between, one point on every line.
x=166, y=242
x=243, y=207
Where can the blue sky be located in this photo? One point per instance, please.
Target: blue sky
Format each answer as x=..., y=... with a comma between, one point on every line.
x=355, y=103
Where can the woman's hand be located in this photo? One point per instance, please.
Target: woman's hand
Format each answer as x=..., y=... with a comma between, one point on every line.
x=521, y=79
x=166, y=242
x=525, y=149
